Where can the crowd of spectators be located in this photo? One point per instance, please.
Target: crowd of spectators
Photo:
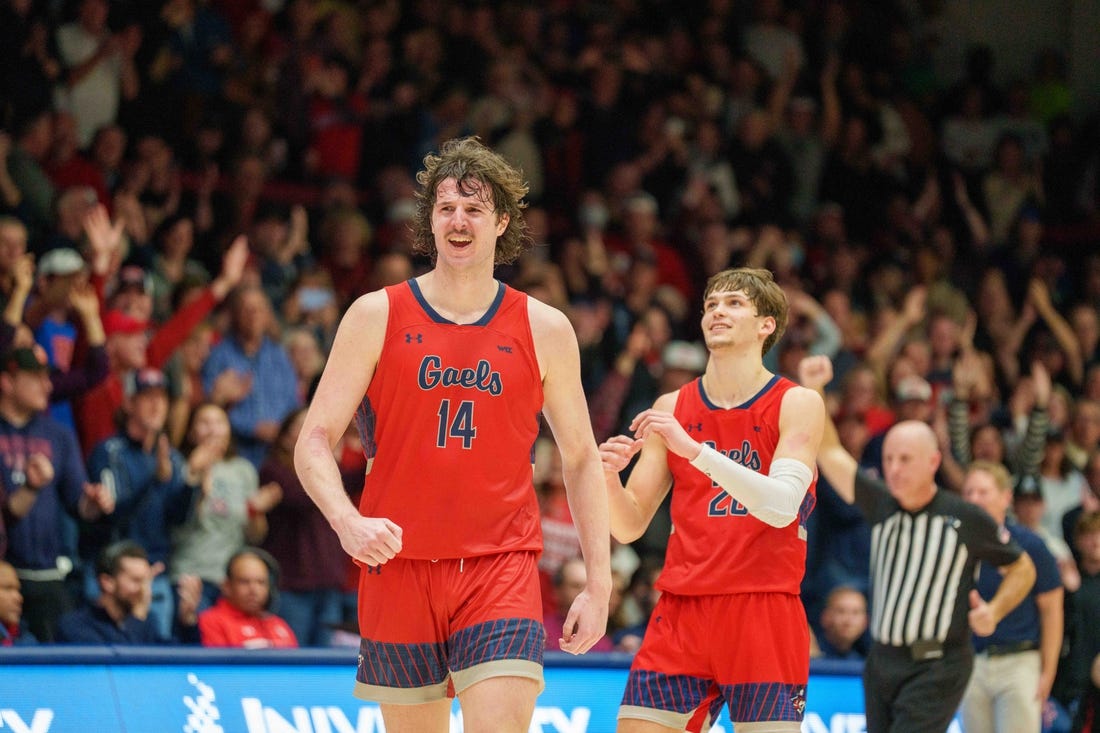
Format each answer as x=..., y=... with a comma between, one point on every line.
x=192, y=192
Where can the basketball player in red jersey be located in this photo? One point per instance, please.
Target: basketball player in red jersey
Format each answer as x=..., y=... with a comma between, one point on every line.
x=738, y=445
x=446, y=375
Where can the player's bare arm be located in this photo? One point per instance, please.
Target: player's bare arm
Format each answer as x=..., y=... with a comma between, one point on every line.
x=632, y=508
x=566, y=412
x=350, y=366
x=836, y=464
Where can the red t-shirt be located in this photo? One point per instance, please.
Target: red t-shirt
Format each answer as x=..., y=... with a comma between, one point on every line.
x=226, y=625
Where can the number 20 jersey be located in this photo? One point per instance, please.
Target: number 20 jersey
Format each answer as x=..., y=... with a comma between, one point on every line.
x=716, y=546
x=449, y=424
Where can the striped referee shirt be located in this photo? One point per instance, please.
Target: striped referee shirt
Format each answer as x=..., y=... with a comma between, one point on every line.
x=923, y=563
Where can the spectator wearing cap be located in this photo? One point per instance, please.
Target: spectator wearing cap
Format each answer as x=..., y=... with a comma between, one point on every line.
x=62, y=274
x=45, y=476
x=76, y=366
x=130, y=345
x=251, y=374
x=1028, y=507
x=151, y=495
x=913, y=400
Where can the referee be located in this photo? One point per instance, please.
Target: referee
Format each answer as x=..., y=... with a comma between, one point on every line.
x=925, y=545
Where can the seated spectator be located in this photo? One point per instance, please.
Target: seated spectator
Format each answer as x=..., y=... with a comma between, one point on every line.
x=121, y=615
x=241, y=617
x=12, y=632
x=568, y=583
x=844, y=625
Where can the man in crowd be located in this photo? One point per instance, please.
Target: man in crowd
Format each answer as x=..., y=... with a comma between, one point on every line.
x=121, y=615
x=241, y=618
x=1014, y=666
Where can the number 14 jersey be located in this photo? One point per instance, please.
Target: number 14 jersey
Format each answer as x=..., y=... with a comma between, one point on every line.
x=449, y=424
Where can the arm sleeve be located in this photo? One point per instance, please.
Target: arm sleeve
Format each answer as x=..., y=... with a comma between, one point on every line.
x=773, y=499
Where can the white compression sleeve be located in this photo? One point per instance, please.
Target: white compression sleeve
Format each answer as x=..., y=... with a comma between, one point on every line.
x=773, y=498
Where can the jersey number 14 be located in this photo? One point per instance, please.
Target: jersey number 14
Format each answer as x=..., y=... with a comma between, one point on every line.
x=459, y=426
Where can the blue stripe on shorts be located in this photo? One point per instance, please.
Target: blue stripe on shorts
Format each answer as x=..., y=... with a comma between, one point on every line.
x=407, y=666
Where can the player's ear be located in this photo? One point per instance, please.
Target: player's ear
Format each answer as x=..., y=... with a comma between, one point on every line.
x=502, y=223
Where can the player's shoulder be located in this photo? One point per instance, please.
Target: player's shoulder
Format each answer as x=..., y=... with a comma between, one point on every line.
x=667, y=401
x=369, y=305
x=547, y=322
x=807, y=403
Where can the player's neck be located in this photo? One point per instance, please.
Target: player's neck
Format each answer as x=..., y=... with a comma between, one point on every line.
x=730, y=381
x=460, y=297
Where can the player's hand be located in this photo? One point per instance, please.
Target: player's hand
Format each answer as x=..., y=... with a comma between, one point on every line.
x=616, y=452
x=981, y=617
x=370, y=541
x=586, y=622
x=668, y=428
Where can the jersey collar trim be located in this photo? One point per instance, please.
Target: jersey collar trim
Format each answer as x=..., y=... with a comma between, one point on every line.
x=435, y=316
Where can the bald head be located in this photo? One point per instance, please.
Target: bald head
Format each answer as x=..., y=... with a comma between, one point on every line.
x=910, y=459
x=914, y=433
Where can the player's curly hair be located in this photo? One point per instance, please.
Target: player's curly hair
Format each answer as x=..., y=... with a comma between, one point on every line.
x=762, y=291
x=469, y=161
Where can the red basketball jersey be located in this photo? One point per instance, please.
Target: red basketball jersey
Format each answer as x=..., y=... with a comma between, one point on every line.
x=716, y=546
x=450, y=420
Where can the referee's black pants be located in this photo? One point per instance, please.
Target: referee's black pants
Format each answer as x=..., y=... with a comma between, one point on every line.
x=905, y=696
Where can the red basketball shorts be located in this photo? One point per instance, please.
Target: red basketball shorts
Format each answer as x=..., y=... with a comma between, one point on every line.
x=747, y=651
x=431, y=628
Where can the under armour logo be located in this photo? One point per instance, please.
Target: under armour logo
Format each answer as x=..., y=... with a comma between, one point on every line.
x=373, y=569
x=757, y=428
x=694, y=427
x=409, y=338
x=505, y=349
